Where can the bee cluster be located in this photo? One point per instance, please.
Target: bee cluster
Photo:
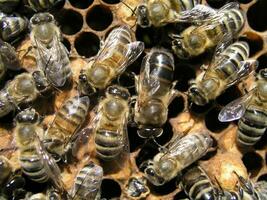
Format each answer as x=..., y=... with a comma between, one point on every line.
x=152, y=99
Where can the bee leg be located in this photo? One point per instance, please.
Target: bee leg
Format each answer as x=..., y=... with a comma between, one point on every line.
x=244, y=87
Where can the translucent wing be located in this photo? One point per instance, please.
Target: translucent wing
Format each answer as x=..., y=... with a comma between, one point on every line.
x=235, y=109
x=50, y=165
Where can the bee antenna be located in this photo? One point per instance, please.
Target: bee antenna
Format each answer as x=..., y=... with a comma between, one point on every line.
x=219, y=185
x=133, y=10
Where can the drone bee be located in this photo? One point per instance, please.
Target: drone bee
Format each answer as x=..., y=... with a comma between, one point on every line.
x=12, y=26
x=34, y=160
x=40, y=5
x=52, y=55
x=8, y=6
x=179, y=154
x=23, y=89
x=87, y=183
x=118, y=51
x=11, y=183
x=195, y=40
x=227, y=68
x=155, y=91
x=197, y=184
x=251, y=110
x=67, y=122
x=159, y=13
x=111, y=137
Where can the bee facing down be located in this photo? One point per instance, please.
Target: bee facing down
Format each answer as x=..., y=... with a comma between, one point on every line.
x=251, y=112
x=118, y=51
x=226, y=69
x=179, y=154
x=225, y=24
x=111, y=137
x=51, y=55
x=155, y=91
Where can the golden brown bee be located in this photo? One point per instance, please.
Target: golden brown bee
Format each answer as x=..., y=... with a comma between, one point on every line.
x=66, y=124
x=34, y=160
x=155, y=91
x=161, y=12
x=179, y=154
x=251, y=110
x=51, y=55
x=118, y=51
x=87, y=183
x=111, y=137
x=225, y=24
x=227, y=68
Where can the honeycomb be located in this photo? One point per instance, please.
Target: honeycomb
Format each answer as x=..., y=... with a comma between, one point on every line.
x=84, y=23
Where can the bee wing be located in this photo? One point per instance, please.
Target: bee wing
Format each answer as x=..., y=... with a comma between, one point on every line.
x=235, y=109
x=50, y=165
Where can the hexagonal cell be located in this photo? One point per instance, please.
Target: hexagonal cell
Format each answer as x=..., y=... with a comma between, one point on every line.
x=254, y=41
x=262, y=143
x=176, y=107
x=110, y=189
x=66, y=43
x=147, y=35
x=183, y=73
x=70, y=21
x=216, y=3
x=167, y=134
x=111, y=1
x=262, y=62
x=81, y=4
x=256, y=15
x=253, y=162
x=87, y=44
x=180, y=195
x=263, y=177
x=229, y=95
x=99, y=17
x=212, y=122
x=165, y=189
x=244, y=1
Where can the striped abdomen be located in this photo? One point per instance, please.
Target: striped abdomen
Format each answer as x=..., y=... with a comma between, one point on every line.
x=108, y=144
x=87, y=182
x=41, y=5
x=32, y=165
x=116, y=47
x=197, y=185
x=161, y=68
x=12, y=26
x=231, y=59
x=251, y=126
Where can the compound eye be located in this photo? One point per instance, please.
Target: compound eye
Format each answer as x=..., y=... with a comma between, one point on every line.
x=150, y=172
x=83, y=78
x=263, y=73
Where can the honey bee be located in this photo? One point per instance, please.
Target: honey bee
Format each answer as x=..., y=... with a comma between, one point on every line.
x=118, y=51
x=251, y=110
x=34, y=160
x=87, y=183
x=9, y=6
x=179, y=154
x=196, y=39
x=66, y=124
x=197, y=184
x=40, y=5
x=51, y=55
x=137, y=188
x=12, y=26
x=111, y=137
x=23, y=89
x=159, y=13
x=12, y=183
x=155, y=91
x=227, y=68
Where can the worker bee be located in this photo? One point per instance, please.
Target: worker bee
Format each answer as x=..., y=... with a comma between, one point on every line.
x=51, y=55
x=197, y=184
x=8, y=6
x=251, y=110
x=87, y=183
x=40, y=5
x=12, y=183
x=34, y=160
x=155, y=91
x=118, y=51
x=196, y=39
x=178, y=154
x=66, y=124
x=23, y=89
x=110, y=130
x=12, y=26
x=137, y=188
x=159, y=12
x=227, y=68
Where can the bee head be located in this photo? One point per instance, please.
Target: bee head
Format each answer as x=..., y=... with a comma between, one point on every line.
x=143, y=16
x=154, y=175
x=179, y=49
x=41, y=82
x=196, y=95
x=118, y=91
x=41, y=18
x=27, y=116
